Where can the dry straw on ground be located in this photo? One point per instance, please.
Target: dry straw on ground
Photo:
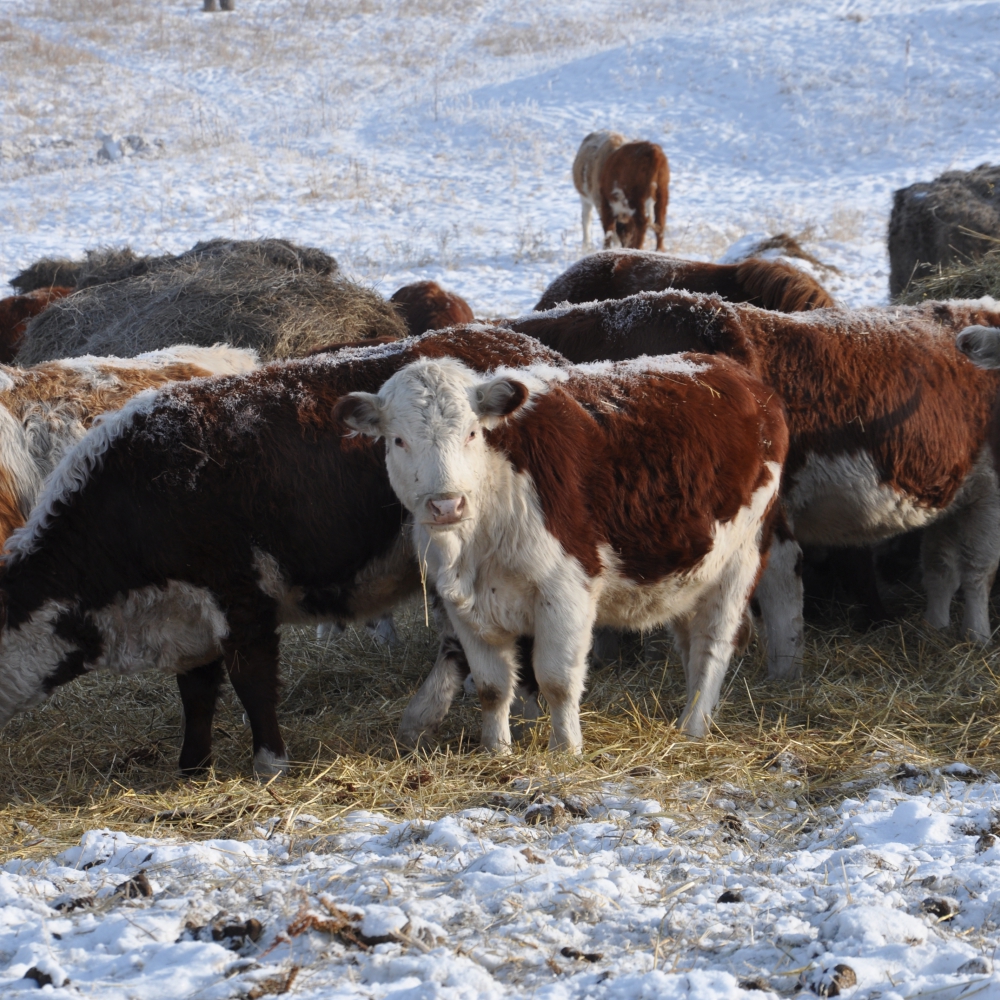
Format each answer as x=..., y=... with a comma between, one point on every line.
x=102, y=752
x=967, y=280
x=280, y=299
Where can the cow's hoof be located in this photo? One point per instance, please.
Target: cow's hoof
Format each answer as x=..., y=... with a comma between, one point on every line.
x=267, y=764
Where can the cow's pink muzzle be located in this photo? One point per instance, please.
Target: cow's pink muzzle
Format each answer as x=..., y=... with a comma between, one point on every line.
x=445, y=510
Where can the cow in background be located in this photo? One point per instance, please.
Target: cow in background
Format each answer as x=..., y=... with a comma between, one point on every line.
x=426, y=306
x=16, y=310
x=616, y=274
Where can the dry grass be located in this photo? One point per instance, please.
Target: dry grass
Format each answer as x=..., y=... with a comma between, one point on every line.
x=967, y=280
x=102, y=752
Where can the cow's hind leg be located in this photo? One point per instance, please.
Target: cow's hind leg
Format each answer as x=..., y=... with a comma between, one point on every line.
x=940, y=557
x=779, y=596
x=199, y=690
x=980, y=554
x=563, y=632
x=586, y=210
x=710, y=635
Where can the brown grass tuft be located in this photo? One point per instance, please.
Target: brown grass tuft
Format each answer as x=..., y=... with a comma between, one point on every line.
x=967, y=280
x=102, y=752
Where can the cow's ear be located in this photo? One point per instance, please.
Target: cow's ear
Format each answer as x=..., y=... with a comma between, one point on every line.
x=500, y=397
x=361, y=411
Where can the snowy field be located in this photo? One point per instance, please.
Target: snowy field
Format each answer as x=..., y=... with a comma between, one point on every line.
x=433, y=139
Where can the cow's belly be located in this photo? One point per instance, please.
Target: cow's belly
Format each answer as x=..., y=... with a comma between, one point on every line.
x=840, y=500
x=171, y=628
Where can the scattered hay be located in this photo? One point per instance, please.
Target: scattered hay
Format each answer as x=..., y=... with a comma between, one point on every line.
x=968, y=280
x=269, y=295
x=891, y=703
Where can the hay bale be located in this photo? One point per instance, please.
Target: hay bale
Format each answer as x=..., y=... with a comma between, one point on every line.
x=970, y=280
x=107, y=264
x=952, y=219
x=238, y=293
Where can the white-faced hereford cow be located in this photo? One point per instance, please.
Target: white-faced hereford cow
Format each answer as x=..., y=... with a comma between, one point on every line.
x=546, y=501
x=46, y=409
x=616, y=274
x=889, y=423
x=184, y=528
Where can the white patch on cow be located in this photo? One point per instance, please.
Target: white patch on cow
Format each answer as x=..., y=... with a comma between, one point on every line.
x=841, y=500
x=620, y=206
x=171, y=629
x=269, y=576
x=220, y=359
x=267, y=764
x=75, y=469
x=24, y=479
x=29, y=654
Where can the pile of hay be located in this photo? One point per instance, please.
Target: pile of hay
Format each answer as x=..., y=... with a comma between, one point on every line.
x=970, y=280
x=269, y=295
x=942, y=223
x=872, y=707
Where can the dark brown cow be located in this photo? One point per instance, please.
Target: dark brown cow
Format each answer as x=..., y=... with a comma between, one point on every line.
x=547, y=500
x=616, y=274
x=426, y=306
x=635, y=189
x=185, y=527
x=16, y=310
x=889, y=427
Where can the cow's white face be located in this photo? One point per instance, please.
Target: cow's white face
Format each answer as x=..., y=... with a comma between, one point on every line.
x=432, y=415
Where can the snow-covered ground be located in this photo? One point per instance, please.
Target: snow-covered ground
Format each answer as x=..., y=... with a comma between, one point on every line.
x=902, y=889
x=433, y=139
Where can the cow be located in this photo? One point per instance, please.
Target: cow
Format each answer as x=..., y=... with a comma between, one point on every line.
x=187, y=525
x=635, y=189
x=889, y=424
x=46, y=409
x=16, y=310
x=616, y=274
x=425, y=306
x=587, y=166
x=547, y=500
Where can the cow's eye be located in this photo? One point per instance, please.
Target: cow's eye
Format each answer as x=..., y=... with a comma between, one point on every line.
x=399, y=443
x=472, y=434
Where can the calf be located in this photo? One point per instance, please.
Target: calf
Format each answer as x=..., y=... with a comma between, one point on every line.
x=616, y=274
x=425, y=306
x=889, y=429
x=46, y=409
x=635, y=189
x=16, y=310
x=547, y=500
x=186, y=526
x=587, y=166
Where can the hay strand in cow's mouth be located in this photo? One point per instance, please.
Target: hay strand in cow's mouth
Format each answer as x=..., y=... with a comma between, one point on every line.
x=970, y=279
x=890, y=704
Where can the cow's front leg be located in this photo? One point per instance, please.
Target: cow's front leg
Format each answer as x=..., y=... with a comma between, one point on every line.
x=494, y=669
x=563, y=632
x=586, y=210
x=199, y=690
x=429, y=706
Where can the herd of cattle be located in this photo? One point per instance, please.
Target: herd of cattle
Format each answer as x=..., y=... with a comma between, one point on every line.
x=652, y=445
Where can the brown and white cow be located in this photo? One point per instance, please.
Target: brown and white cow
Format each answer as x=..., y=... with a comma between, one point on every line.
x=635, y=190
x=889, y=424
x=616, y=274
x=17, y=310
x=548, y=500
x=46, y=409
x=425, y=306
x=187, y=525
x=587, y=166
